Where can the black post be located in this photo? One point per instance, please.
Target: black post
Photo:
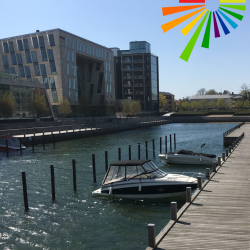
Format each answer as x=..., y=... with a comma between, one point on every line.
x=7, y=147
x=74, y=173
x=146, y=146
x=43, y=142
x=54, y=140
x=139, y=151
x=21, y=149
x=93, y=164
x=174, y=141
x=119, y=154
x=129, y=152
x=106, y=160
x=170, y=141
x=160, y=144
x=32, y=142
x=153, y=141
x=52, y=173
x=166, y=144
x=25, y=195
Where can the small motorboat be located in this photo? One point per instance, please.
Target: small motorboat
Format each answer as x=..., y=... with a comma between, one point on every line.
x=13, y=143
x=189, y=157
x=141, y=179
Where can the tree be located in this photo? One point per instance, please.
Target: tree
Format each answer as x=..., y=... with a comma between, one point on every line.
x=220, y=103
x=64, y=107
x=244, y=90
x=126, y=106
x=7, y=103
x=186, y=105
x=238, y=104
x=229, y=104
x=194, y=104
x=246, y=104
x=38, y=105
x=226, y=92
x=212, y=104
x=135, y=107
x=201, y=91
x=211, y=92
x=162, y=102
x=202, y=104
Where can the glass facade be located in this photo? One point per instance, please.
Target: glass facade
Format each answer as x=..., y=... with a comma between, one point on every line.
x=13, y=58
x=20, y=45
x=28, y=57
x=66, y=41
x=41, y=42
x=19, y=59
x=50, y=55
x=51, y=40
x=27, y=71
x=35, y=42
x=44, y=55
x=26, y=44
x=154, y=73
x=12, y=71
x=69, y=83
x=37, y=70
x=43, y=69
x=11, y=47
x=53, y=68
x=5, y=47
x=139, y=47
x=21, y=71
x=34, y=56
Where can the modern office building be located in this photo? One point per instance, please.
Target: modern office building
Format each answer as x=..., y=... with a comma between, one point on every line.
x=139, y=78
x=69, y=67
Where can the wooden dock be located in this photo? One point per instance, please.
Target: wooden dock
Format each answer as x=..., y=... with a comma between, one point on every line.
x=219, y=216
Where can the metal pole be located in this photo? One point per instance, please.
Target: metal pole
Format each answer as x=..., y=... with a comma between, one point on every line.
x=219, y=161
x=52, y=173
x=214, y=167
x=207, y=173
x=188, y=194
x=223, y=156
x=25, y=195
x=151, y=235
x=174, y=211
x=199, y=182
x=93, y=164
x=74, y=174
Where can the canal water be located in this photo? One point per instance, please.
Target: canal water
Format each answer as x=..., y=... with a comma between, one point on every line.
x=78, y=220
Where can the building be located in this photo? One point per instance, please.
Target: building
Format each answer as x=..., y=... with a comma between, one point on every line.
x=215, y=98
x=170, y=105
x=69, y=67
x=137, y=76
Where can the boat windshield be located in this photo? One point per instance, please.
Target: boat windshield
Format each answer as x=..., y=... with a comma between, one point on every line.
x=121, y=173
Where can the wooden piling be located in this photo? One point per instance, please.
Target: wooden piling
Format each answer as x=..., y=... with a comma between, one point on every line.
x=74, y=174
x=106, y=161
x=52, y=174
x=25, y=195
x=93, y=165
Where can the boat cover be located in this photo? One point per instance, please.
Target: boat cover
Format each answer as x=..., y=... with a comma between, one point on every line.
x=186, y=152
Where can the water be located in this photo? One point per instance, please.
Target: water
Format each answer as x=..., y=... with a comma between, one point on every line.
x=78, y=220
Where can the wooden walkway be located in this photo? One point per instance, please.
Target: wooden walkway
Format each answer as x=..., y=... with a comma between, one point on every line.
x=219, y=217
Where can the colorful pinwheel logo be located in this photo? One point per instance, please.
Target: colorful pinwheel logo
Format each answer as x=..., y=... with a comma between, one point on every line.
x=222, y=16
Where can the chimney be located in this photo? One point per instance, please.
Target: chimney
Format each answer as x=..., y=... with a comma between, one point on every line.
x=37, y=31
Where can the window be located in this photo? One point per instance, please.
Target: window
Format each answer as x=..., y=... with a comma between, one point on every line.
x=5, y=61
x=109, y=56
x=66, y=41
x=99, y=55
x=41, y=41
x=109, y=66
x=102, y=54
x=83, y=47
x=20, y=45
x=73, y=56
x=37, y=70
x=80, y=49
x=13, y=58
x=96, y=52
x=74, y=83
x=52, y=82
x=69, y=83
x=110, y=86
x=34, y=56
x=35, y=42
x=105, y=56
x=44, y=55
x=106, y=66
x=6, y=69
x=51, y=40
x=77, y=45
x=5, y=47
x=76, y=96
x=87, y=49
x=12, y=71
x=28, y=57
x=19, y=59
x=21, y=71
x=67, y=68
x=68, y=56
x=50, y=55
x=75, y=68
x=110, y=78
x=43, y=69
x=54, y=95
x=26, y=44
x=73, y=43
x=69, y=94
x=93, y=51
x=107, y=88
x=11, y=47
x=27, y=71
x=45, y=82
x=53, y=68
x=106, y=76
x=90, y=49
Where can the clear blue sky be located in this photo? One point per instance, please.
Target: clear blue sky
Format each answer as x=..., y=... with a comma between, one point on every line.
x=114, y=23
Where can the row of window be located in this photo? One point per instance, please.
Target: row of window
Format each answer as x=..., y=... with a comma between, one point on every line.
x=8, y=47
x=91, y=50
x=74, y=83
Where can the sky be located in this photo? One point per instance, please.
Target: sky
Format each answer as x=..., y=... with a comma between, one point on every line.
x=114, y=23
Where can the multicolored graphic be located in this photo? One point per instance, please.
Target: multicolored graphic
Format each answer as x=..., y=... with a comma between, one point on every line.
x=222, y=17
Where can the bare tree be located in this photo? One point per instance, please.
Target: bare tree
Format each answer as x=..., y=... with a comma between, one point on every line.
x=244, y=90
x=211, y=92
x=201, y=91
x=64, y=107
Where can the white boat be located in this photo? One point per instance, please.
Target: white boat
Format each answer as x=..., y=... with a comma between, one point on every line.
x=141, y=179
x=189, y=157
x=13, y=143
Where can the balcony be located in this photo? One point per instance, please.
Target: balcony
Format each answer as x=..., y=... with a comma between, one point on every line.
x=133, y=69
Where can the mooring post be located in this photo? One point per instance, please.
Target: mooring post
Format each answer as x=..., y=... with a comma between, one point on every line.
x=129, y=152
x=174, y=141
x=146, y=147
x=188, y=194
x=207, y=173
x=170, y=141
x=166, y=144
x=139, y=151
x=74, y=174
x=93, y=164
x=153, y=142
x=32, y=142
x=106, y=161
x=199, y=182
x=21, y=149
x=223, y=156
x=214, y=167
x=7, y=147
x=160, y=145
x=219, y=161
x=119, y=154
x=52, y=174
x=174, y=211
x=43, y=142
x=25, y=195
x=151, y=235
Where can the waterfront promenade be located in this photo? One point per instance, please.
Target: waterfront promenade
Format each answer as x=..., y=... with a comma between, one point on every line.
x=219, y=217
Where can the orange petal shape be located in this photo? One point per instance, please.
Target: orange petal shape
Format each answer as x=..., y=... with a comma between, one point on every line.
x=172, y=10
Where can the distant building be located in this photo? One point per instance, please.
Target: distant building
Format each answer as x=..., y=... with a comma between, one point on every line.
x=137, y=76
x=170, y=105
x=215, y=98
